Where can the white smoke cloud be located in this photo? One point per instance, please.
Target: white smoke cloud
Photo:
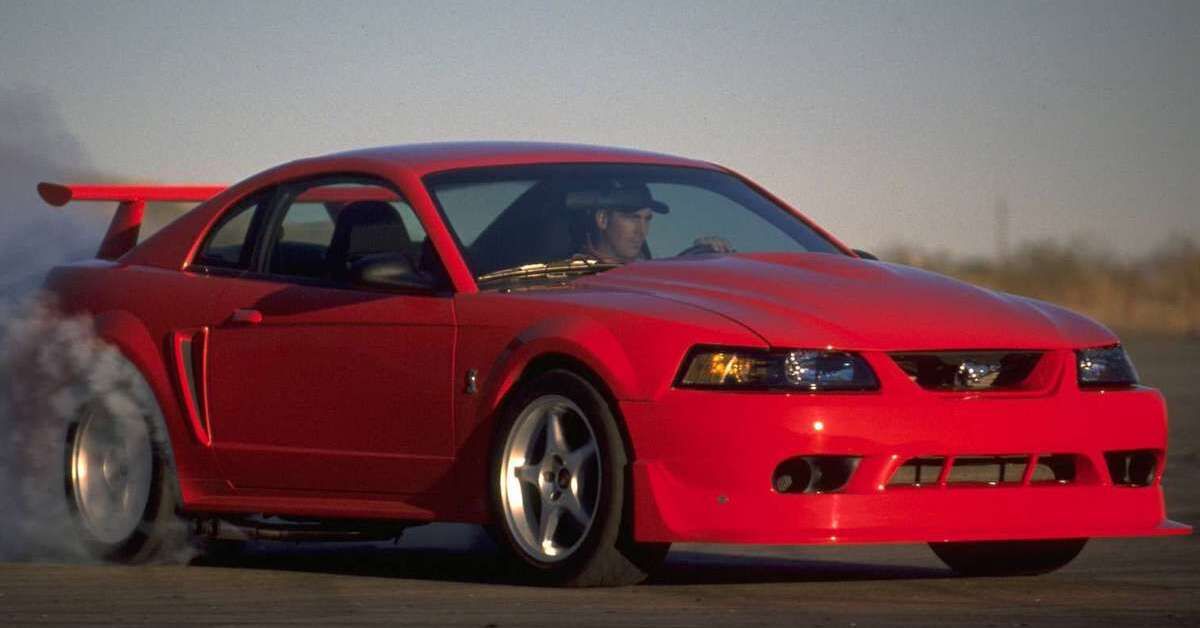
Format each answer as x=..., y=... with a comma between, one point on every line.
x=35, y=146
x=51, y=366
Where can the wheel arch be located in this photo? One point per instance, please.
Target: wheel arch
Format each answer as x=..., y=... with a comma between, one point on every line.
x=580, y=345
x=133, y=340
x=551, y=361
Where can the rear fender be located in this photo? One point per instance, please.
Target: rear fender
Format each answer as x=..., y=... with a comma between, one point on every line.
x=130, y=336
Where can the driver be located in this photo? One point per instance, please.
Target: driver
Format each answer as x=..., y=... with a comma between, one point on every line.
x=619, y=223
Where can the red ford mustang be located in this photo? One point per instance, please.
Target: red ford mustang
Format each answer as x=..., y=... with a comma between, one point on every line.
x=596, y=352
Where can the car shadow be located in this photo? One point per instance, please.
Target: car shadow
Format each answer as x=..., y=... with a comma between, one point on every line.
x=485, y=565
x=368, y=560
x=695, y=567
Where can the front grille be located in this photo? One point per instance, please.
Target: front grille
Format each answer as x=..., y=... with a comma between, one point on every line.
x=986, y=470
x=918, y=472
x=968, y=370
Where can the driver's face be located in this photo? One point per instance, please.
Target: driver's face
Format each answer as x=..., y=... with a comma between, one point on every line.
x=624, y=232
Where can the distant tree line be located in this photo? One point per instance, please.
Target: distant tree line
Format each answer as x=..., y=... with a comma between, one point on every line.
x=1155, y=293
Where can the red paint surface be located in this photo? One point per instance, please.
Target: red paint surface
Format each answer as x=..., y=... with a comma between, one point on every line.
x=344, y=403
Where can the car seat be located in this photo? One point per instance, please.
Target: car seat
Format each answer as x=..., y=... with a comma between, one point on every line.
x=365, y=228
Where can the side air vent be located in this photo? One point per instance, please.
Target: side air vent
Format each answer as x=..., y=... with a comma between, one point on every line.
x=191, y=373
x=968, y=370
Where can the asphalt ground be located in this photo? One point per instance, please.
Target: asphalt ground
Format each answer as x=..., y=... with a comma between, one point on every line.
x=450, y=575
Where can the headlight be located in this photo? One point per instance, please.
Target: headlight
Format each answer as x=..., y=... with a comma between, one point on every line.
x=1105, y=366
x=758, y=370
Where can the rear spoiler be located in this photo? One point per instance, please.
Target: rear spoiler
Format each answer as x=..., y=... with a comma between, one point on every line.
x=122, y=232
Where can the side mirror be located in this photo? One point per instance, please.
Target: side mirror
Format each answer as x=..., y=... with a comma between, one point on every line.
x=390, y=271
x=865, y=255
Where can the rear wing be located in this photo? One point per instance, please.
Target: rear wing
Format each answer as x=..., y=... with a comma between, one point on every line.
x=122, y=232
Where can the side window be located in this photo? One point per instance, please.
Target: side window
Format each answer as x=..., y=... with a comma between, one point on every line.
x=327, y=226
x=477, y=205
x=304, y=237
x=229, y=244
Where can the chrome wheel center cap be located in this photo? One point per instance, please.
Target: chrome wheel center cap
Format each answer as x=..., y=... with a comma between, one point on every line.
x=115, y=472
x=564, y=479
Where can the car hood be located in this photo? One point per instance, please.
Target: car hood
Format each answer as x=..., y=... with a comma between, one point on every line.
x=818, y=300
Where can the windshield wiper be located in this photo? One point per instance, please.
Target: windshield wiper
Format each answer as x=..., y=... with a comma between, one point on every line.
x=560, y=269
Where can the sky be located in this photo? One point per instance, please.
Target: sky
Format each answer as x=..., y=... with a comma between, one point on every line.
x=887, y=123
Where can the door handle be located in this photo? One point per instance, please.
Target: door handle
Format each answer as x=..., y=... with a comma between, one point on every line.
x=246, y=317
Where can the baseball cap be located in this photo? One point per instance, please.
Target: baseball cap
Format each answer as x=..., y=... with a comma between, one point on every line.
x=615, y=195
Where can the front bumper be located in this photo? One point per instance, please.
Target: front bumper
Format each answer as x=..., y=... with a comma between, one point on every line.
x=704, y=463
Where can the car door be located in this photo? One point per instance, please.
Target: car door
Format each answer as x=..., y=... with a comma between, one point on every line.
x=319, y=384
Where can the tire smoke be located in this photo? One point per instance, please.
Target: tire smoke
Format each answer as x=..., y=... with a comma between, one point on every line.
x=36, y=146
x=51, y=368
x=50, y=365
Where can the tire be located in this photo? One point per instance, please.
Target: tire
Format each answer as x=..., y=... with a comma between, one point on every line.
x=559, y=488
x=120, y=483
x=1008, y=558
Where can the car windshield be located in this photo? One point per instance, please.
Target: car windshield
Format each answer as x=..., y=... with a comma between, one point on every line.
x=565, y=220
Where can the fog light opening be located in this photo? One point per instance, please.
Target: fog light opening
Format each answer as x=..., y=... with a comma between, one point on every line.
x=793, y=476
x=1131, y=468
x=814, y=474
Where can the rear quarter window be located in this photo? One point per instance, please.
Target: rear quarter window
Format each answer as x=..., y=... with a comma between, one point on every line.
x=228, y=245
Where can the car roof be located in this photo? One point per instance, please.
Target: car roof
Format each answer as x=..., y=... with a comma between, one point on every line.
x=422, y=159
x=171, y=246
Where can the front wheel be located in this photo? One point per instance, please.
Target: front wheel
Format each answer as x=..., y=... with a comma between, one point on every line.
x=1008, y=558
x=559, y=487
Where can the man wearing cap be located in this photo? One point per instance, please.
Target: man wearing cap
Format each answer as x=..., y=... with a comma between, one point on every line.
x=620, y=221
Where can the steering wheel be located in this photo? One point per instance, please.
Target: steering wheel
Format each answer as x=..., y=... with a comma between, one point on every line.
x=709, y=244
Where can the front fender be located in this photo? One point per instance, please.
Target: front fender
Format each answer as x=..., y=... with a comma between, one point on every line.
x=581, y=339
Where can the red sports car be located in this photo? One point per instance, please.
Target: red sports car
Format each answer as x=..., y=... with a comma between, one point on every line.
x=595, y=352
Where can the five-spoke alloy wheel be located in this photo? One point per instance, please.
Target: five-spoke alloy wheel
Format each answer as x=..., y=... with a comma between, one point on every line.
x=559, y=486
x=552, y=478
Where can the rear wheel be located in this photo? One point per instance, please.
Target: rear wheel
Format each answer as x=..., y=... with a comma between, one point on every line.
x=120, y=486
x=1008, y=558
x=559, y=487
